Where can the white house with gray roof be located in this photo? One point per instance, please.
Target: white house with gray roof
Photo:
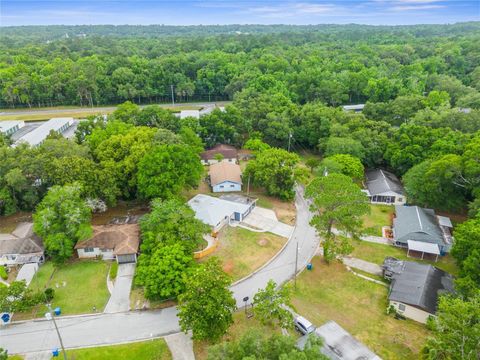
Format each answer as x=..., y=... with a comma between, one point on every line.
x=218, y=212
x=20, y=247
x=383, y=187
x=420, y=230
x=415, y=288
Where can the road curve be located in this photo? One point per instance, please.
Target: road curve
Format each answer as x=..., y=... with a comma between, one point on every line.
x=102, y=329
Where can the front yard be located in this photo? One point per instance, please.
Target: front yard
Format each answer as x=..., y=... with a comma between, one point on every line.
x=330, y=292
x=376, y=253
x=79, y=286
x=146, y=350
x=380, y=215
x=243, y=251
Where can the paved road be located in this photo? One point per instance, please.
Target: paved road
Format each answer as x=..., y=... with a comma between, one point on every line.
x=120, y=299
x=99, y=109
x=100, y=329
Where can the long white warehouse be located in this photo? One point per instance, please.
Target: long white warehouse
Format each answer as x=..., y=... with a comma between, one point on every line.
x=11, y=126
x=38, y=135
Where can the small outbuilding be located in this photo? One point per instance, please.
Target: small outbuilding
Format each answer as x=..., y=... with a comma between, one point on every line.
x=225, y=177
x=119, y=242
x=383, y=187
x=20, y=247
x=221, y=152
x=415, y=288
x=339, y=344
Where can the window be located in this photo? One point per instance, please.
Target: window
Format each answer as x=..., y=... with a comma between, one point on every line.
x=229, y=160
x=232, y=186
x=400, y=199
x=90, y=249
x=401, y=307
x=221, y=186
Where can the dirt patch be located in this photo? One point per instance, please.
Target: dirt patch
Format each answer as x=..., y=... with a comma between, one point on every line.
x=263, y=242
x=10, y=222
x=122, y=209
x=228, y=266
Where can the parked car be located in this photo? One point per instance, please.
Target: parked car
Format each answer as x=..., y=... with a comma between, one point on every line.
x=303, y=326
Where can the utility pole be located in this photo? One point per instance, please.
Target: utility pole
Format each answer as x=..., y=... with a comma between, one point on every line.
x=173, y=98
x=52, y=316
x=296, y=266
x=289, y=140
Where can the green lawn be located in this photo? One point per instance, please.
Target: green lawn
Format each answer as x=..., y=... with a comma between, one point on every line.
x=147, y=350
x=380, y=215
x=376, y=253
x=330, y=292
x=81, y=286
x=243, y=251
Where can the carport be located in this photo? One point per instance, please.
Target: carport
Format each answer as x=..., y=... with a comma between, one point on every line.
x=423, y=247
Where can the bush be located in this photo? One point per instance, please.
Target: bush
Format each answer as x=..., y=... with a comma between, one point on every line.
x=113, y=270
x=49, y=294
x=3, y=273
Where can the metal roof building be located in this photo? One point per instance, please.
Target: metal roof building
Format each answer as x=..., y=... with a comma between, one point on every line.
x=384, y=187
x=338, y=344
x=11, y=126
x=39, y=134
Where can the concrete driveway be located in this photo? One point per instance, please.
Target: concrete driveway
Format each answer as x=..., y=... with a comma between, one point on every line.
x=363, y=265
x=266, y=220
x=120, y=298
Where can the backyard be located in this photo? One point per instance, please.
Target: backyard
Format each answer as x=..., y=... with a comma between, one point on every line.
x=376, y=253
x=79, y=286
x=380, y=215
x=243, y=251
x=146, y=350
x=330, y=292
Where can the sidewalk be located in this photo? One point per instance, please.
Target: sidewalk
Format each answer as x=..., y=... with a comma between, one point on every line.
x=181, y=346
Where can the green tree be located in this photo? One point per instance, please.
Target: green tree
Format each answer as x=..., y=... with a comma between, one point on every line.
x=256, y=145
x=345, y=145
x=255, y=345
x=344, y=164
x=61, y=219
x=340, y=203
x=273, y=169
x=456, y=330
x=168, y=169
x=163, y=273
x=155, y=116
x=270, y=305
x=17, y=297
x=207, y=304
x=169, y=222
x=312, y=163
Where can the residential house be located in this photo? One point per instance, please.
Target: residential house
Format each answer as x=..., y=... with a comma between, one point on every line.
x=218, y=212
x=20, y=247
x=338, y=344
x=415, y=288
x=228, y=153
x=383, y=187
x=420, y=230
x=40, y=133
x=225, y=177
x=119, y=242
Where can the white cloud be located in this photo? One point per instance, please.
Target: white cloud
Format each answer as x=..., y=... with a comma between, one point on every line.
x=284, y=10
x=416, y=7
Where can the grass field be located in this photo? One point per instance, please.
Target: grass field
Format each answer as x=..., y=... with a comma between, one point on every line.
x=380, y=215
x=376, y=253
x=74, y=112
x=81, y=286
x=147, y=350
x=330, y=292
x=243, y=251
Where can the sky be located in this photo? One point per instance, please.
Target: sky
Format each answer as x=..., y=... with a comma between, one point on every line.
x=213, y=12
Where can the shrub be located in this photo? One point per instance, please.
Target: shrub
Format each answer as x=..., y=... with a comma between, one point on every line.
x=49, y=294
x=3, y=273
x=113, y=270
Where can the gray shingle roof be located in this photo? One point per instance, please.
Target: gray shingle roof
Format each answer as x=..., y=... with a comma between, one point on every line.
x=21, y=241
x=381, y=181
x=420, y=285
x=415, y=223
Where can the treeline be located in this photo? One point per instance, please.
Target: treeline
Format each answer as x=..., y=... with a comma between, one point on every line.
x=332, y=64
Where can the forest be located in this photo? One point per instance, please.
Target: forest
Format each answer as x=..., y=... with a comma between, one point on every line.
x=286, y=86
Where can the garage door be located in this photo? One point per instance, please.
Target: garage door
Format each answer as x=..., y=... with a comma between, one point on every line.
x=122, y=259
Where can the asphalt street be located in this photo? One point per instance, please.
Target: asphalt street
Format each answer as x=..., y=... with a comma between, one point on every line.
x=101, y=329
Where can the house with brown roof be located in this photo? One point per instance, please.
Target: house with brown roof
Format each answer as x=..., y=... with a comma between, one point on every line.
x=227, y=153
x=20, y=247
x=225, y=177
x=119, y=242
